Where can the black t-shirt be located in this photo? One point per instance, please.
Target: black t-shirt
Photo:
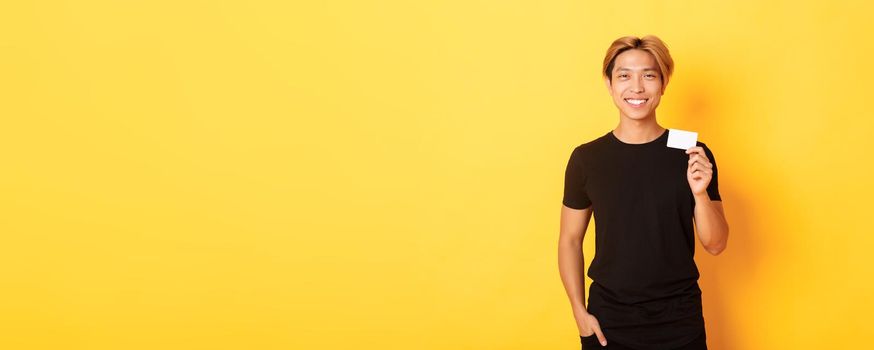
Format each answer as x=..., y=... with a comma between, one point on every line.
x=645, y=290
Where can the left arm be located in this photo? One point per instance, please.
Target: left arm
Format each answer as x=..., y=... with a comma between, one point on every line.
x=710, y=219
x=711, y=224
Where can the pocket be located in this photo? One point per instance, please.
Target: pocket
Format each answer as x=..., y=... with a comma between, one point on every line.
x=590, y=342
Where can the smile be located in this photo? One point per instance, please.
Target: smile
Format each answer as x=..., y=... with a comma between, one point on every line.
x=635, y=102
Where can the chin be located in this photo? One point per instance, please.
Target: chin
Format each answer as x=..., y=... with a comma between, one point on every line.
x=638, y=115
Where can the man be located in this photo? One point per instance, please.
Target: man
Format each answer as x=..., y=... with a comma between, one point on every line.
x=644, y=197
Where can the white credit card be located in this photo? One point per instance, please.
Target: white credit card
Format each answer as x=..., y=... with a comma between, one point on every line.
x=682, y=139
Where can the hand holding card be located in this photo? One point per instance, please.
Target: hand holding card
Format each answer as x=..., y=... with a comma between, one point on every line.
x=700, y=169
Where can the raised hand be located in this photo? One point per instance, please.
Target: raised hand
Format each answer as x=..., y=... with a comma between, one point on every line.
x=700, y=170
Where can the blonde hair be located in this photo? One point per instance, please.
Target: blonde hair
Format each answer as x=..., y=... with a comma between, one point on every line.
x=650, y=43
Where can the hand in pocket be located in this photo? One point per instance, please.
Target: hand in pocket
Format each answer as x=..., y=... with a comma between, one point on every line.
x=592, y=327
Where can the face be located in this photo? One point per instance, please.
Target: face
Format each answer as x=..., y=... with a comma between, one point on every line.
x=636, y=78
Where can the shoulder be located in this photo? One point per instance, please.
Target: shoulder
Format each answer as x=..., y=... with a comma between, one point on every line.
x=704, y=146
x=707, y=151
x=590, y=146
x=588, y=153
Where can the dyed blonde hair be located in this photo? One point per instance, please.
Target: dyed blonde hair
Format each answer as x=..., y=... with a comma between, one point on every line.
x=650, y=43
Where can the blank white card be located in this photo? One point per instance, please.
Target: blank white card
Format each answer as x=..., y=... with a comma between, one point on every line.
x=682, y=139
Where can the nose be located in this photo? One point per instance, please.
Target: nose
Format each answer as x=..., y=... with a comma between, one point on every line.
x=637, y=86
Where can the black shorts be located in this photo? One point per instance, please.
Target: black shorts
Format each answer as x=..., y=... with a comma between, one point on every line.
x=591, y=342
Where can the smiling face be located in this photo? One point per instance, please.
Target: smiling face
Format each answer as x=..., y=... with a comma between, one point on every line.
x=636, y=87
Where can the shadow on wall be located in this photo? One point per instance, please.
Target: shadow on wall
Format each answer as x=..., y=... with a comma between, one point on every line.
x=706, y=105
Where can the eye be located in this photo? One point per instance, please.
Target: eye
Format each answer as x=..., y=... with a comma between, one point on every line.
x=650, y=75
x=623, y=75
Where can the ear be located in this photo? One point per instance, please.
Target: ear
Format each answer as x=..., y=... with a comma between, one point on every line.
x=607, y=84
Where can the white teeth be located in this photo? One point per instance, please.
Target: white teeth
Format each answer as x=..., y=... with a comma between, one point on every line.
x=635, y=102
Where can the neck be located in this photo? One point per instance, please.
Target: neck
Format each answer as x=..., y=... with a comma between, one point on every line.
x=638, y=131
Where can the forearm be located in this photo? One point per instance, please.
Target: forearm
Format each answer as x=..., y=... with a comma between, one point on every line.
x=711, y=224
x=571, y=267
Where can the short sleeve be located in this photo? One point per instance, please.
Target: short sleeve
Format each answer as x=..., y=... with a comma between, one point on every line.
x=713, y=188
x=575, y=195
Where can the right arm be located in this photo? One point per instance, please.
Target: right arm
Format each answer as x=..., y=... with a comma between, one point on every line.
x=572, y=230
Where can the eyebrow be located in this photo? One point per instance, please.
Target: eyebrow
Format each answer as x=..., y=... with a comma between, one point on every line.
x=644, y=69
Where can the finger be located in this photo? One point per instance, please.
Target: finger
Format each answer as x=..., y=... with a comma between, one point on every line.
x=699, y=172
x=699, y=152
x=600, y=334
x=700, y=156
x=695, y=149
x=695, y=172
x=699, y=159
x=702, y=167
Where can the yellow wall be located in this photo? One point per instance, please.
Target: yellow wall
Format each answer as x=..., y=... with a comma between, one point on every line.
x=387, y=174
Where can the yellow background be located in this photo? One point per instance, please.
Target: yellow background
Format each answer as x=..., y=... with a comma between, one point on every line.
x=388, y=174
